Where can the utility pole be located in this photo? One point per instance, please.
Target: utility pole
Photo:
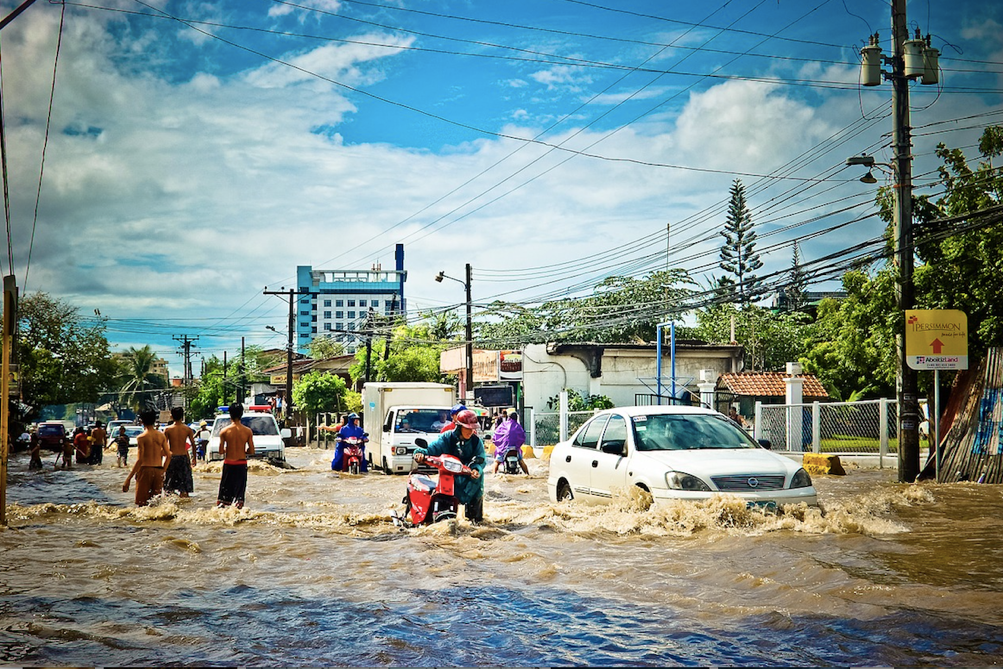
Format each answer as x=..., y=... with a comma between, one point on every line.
x=288, y=404
x=9, y=326
x=225, y=393
x=906, y=387
x=470, y=342
x=242, y=378
x=911, y=59
x=186, y=347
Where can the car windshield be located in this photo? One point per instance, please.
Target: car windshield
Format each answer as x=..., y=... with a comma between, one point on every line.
x=421, y=420
x=263, y=425
x=684, y=432
x=50, y=430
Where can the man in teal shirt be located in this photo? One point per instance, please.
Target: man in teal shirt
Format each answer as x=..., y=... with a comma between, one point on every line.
x=463, y=443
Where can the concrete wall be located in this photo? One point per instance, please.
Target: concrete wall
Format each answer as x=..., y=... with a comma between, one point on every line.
x=572, y=366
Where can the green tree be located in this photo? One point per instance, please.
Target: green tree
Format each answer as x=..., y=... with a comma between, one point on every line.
x=962, y=261
x=797, y=282
x=136, y=379
x=621, y=309
x=855, y=338
x=321, y=348
x=413, y=355
x=770, y=340
x=209, y=392
x=63, y=359
x=738, y=254
x=317, y=392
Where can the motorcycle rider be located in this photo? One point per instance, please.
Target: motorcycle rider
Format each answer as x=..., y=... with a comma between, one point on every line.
x=351, y=429
x=509, y=436
x=463, y=443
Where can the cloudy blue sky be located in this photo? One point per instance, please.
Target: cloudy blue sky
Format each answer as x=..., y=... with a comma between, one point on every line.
x=199, y=151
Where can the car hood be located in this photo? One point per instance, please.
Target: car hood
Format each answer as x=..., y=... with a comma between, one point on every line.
x=720, y=462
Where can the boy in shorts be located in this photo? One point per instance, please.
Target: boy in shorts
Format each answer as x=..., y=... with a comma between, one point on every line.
x=236, y=442
x=151, y=460
x=179, y=472
x=122, y=442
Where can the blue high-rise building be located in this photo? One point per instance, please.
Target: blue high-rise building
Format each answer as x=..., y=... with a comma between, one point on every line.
x=336, y=303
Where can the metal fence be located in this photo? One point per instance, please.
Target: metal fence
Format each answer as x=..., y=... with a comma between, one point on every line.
x=863, y=427
x=544, y=429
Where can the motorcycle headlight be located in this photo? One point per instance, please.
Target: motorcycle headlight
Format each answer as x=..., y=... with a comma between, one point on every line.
x=453, y=466
x=801, y=479
x=684, y=481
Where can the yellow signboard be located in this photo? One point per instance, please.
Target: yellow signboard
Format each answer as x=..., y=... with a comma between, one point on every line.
x=936, y=339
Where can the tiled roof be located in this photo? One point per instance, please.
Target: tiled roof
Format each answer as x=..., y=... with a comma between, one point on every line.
x=768, y=384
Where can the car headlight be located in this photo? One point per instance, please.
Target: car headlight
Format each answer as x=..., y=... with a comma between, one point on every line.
x=801, y=479
x=684, y=481
x=401, y=450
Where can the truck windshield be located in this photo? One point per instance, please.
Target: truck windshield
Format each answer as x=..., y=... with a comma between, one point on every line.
x=263, y=425
x=421, y=420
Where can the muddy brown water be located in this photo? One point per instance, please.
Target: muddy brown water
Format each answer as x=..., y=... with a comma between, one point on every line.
x=312, y=572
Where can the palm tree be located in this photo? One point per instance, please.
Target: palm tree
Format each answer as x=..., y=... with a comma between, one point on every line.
x=136, y=375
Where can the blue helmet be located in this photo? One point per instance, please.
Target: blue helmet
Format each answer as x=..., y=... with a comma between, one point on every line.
x=352, y=416
x=457, y=409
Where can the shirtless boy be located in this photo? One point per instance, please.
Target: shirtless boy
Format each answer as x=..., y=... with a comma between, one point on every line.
x=236, y=442
x=179, y=473
x=151, y=460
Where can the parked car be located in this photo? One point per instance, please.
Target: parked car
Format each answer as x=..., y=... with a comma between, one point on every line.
x=51, y=435
x=673, y=452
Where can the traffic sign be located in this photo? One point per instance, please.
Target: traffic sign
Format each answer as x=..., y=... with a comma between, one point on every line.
x=936, y=339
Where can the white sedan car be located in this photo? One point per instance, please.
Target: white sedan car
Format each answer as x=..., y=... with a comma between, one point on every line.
x=673, y=452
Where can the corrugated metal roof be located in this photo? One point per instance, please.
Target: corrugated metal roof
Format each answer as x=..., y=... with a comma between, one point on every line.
x=769, y=384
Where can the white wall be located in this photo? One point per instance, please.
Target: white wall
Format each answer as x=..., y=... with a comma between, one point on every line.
x=546, y=375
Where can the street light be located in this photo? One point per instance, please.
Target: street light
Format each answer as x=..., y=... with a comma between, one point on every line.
x=469, y=376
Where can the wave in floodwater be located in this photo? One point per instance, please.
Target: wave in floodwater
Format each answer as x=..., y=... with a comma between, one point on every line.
x=630, y=513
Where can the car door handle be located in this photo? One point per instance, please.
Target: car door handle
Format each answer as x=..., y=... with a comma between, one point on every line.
x=595, y=463
x=567, y=458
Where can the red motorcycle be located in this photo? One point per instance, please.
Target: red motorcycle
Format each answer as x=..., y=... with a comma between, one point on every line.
x=428, y=501
x=351, y=457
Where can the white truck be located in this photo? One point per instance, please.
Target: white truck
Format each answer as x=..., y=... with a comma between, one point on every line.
x=400, y=417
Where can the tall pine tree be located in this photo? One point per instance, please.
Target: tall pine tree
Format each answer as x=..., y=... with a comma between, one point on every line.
x=738, y=254
x=796, y=283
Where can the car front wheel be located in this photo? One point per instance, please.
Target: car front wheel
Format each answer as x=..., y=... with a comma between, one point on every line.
x=564, y=493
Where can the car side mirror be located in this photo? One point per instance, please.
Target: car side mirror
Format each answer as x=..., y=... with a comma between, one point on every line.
x=765, y=443
x=286, y=433
x=613, y=447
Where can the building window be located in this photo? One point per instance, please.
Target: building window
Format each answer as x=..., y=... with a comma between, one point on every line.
x=375, y=303
x=339, y=326
x=304, y=325
x=313, y=319
x=327, y=314
x=351, y=314
x=314, y=330
x=327, y=326
x=362, y=303
x=305, y=313
x=351, y=303
x=351, y=326
x=339, y=303
x=327, y=303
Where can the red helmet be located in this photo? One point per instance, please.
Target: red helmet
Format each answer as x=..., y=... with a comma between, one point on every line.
x=467, y=418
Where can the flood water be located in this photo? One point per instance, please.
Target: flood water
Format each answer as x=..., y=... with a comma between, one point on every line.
x=312, y=572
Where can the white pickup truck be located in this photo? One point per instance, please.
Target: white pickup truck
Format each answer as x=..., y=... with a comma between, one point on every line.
x=268, y=439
